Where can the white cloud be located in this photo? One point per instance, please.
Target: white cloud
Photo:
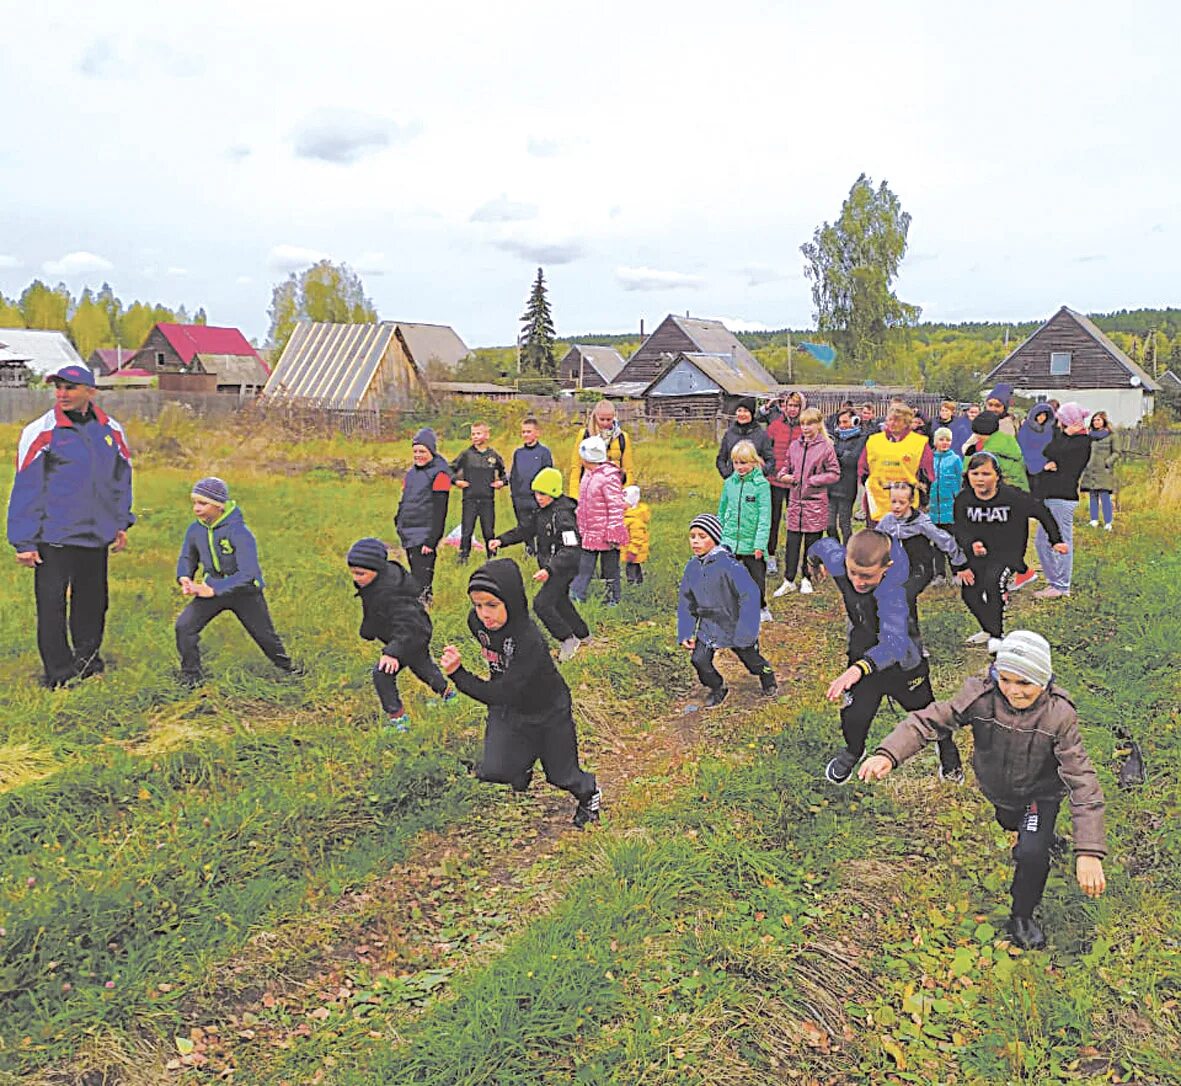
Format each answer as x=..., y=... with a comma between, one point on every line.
x=758, y=275
x=741, y=324
x=542, y=148
x=244, y=280
x=291, y=258
x=343, y=136
x=652, y=279
x=99, y=60
x=502, y=209
x=238, y=152
x=543, y=252
x=177, y=273
x=78, y=263
x=8, y=261
x=371, y=264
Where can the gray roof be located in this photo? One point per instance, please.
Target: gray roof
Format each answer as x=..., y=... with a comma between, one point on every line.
x=42, y=352
x=607, y=361
x=426, y=343
x=1169, y=379
x=734, y=376
x=235, y=369
x=473, y=388
x=713, y=337
x=333, y=364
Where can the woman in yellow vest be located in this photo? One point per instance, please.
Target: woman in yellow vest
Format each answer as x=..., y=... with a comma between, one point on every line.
x=603, y=422
x=895, y=454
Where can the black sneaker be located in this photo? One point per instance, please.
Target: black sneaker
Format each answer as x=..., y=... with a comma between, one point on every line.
x=191, y=679
x=588, y=809
x=716, y=696
x=86, y=667
x=768, y=684
x=955, y=774
x=290, y=667
x=1025, y=933
x=840, y=768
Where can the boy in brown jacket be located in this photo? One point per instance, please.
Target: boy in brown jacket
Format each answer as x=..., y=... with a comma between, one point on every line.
x=1029, y=756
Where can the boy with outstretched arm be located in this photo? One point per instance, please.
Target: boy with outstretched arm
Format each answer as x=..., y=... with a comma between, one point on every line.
x=219, y=541
x=530, y=714
x=392, y=612
x=719, y=609
x=559, y=551
x=1028, y=757
x=479, y=473
x=885, y=655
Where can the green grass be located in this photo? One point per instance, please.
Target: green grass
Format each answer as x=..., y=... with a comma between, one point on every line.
x=746, y=924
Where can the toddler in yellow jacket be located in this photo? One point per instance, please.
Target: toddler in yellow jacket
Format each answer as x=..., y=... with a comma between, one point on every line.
x=636, y=518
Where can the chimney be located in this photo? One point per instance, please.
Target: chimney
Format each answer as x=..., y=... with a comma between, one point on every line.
x=641, y=328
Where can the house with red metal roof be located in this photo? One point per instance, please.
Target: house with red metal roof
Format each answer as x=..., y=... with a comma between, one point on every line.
x=202, y=358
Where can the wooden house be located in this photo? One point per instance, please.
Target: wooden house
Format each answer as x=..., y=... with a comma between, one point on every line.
x=473, y=390
x=1069, y=358
x=695, y=385
x=201, y=358
x=587, y=366
x=104, y=361
x=690, y=335
x=349, y=367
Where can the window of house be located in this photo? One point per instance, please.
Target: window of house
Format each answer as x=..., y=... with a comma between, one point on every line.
x=159, y=358
x=1059, y=363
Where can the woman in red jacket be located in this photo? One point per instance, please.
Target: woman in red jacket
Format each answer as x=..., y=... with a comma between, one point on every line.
x=783, y=429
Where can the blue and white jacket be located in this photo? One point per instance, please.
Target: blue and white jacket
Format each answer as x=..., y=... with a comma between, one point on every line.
x=949, y=479
x=226, y=548
x=879, y=621
x=73, y=482
x=719, y=602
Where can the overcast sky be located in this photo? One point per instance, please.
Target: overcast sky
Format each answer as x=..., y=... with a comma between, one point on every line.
x=654, y=157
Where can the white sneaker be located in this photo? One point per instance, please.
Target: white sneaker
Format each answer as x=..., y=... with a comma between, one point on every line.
x=994, y=643
x=981, y=637
x=772, y=564
x=805, y=587
x=568, y=648
x=766, y=616
x=1107, y=527
x=1094, y=524
x=784, y=589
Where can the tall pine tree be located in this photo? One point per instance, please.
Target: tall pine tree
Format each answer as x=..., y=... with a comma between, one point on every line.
x=537, y=334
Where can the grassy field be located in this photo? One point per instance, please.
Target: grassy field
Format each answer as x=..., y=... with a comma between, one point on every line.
x=181, y=871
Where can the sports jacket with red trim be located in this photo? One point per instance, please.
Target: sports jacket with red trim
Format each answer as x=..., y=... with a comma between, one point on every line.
x=73, y=482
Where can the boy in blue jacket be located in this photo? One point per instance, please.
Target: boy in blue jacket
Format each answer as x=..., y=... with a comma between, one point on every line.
x=528, y=460
x=219, y=541
x=719, y=609
x=884, y=653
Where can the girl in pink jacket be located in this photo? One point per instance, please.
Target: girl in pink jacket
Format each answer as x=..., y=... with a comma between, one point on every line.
x=811, y=468
x=600, y=520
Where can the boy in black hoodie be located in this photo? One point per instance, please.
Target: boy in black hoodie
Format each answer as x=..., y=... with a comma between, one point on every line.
x=392, y=612
x=479, y=473
x=530, y=714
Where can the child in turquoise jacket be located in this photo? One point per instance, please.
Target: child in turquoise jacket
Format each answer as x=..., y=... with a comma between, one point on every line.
x=745, y=514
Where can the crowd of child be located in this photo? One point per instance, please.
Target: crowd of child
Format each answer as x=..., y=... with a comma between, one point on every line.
x=957, y=496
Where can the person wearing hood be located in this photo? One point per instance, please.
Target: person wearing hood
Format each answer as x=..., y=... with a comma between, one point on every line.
x=393, y=613
x=744, y=428
x=1098, y=477
x=601, y=509
x=1029, y=757
x=1035, y=434
x=783, y=430
x=848, y=440
x=961, y=427
x=554, y=527
x=1064, y=457
x=422, y=513
x=997, y=403
x=987, y=436
x=603, y=424
x=530, y=713
x=219, y=541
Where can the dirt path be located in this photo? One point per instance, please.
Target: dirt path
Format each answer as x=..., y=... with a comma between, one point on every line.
x=451, y=905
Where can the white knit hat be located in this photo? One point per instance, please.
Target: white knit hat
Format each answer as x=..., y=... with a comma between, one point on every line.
x=593, y=450
x=1026, y=654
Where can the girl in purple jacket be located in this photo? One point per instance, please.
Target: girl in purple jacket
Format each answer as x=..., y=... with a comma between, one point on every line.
x=811, y=468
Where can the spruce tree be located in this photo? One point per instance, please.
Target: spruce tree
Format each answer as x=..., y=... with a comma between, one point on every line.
x=537, y=335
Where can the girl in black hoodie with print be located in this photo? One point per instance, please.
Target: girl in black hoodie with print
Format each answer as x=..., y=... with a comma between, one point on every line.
x=530, y=714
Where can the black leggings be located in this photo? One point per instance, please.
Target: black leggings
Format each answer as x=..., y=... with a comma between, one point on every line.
x=840, y=518
x=703, y=663
x=757, y=568
x=911, y=689
x=985, y=598
x=554, y=606
x=421, y=664
x=473, y=508
x=1035, y=836
x=512, y=744
x=778, y=501
x=250, y=607
x=797, y=546
x=422, y=567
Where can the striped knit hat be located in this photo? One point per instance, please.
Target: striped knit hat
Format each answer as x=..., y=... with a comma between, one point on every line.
x=1026, y=654
x=709, y=524
x=212, y=489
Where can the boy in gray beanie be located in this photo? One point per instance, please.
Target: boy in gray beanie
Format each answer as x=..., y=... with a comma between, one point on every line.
x=219, y=541
x=1028, y=757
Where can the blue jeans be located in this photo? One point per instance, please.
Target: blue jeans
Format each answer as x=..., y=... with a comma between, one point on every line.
x=608, y=562
x=1057, y=567
x=1104, y=496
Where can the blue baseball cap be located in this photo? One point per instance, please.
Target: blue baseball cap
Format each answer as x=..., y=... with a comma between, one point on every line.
x=74, y=375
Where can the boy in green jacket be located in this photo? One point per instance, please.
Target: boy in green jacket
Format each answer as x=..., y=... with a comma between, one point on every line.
x=745, y=513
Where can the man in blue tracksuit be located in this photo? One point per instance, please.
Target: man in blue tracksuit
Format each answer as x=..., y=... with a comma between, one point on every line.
x=528, y=460
x=219, y=541
x=70, y=505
